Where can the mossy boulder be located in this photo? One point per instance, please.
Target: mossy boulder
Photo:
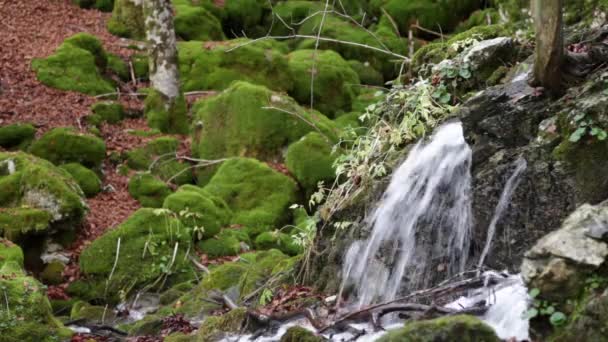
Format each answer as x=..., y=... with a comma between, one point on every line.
x=239, y=122
x=108, y=111
x=52, y=273
x=310, y=160
x=258, y=195
x=299, y=334
x=88, y=180
x=16, y=223
x=77, y=65
x=127, y=19
x=277, y=240
x=164, y=115
x=335, y=82
x=263, y=64
x=148, y=190
x=214, y=327
x=446, y=329
x=224, y=244
x=37, y=193
x=159, y=156
x=92, y=313
x=30, y=317
x=152, y=246
x=65, y=145
x=102, y=5
x=244, y=16
x=10, y=252
x=16, y=135
x=367, y=74
x=196, y=23
x=200, y=209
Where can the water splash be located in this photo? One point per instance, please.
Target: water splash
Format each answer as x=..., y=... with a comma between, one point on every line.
x=503, y=203
x=423, y=220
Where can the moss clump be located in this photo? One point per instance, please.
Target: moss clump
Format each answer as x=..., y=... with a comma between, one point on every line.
x=148, y=241
x=91, y=313
x=65, y=145
x=480, y=18
x=244, y=16
x=214, y=327
x=16, y=135
x=335, y=85
x=481, y=33
x=432, y=53
x=262, y=64
x=258, y=195
x=119, y=67
x=28, y=182
x=196, y=23
x=446, y=329
x=299, y=334
x=165, y=116
x=88, y=181
x=77, y=65
x=235, y=123
x=311, y=160
x=102, y=5
x=367, y=74
x=15, y=223
x=109, y=111
x=127, y=20
x=10, y=252
x=224, y=244
x=52, y=273
x=201, y=209
x=159, y=157
x=30, y=317
x=278, y=240
x=148, y=190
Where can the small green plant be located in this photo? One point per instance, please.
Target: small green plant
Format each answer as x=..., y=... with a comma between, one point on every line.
x=266, y=296
x=595, y=282
x=586, y=126
x=543, y=308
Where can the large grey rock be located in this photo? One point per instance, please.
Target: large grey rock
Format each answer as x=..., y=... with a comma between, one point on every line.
x=559, y=262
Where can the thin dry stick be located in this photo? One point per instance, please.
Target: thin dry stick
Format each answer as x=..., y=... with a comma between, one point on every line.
x=417, y=26
x=314, y=57
x=133, y=79
x=115, y=260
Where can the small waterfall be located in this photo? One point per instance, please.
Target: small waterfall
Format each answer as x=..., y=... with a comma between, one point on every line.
x=503, y=203
x=422, y=223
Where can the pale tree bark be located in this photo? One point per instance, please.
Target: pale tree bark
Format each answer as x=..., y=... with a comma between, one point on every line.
x=549, y=44
x=165, y=106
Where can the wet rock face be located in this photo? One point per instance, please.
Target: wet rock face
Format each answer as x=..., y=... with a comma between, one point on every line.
x=559, y=262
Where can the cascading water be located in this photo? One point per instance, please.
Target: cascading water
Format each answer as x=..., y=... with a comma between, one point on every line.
x=431, y=193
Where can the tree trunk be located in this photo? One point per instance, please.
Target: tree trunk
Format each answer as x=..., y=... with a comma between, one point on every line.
x=165, y=105
x=549, y=44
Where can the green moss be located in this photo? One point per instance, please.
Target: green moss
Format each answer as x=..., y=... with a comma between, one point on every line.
x=497, y=75
x=10, y=252
x=166, y=116
x=15, y=223
x=109, y=111
x=367, y=74
x=235, y=123
x=88, y=181
x=148, y=241
x=299, y=334
x=196, y=23
x=311, y=160
x=432, y=53
x=127, y=20
x=221, y=245
x=77, y=65
x=244, y=16
x=65, y=145
x=263, y=64
x=150, y=325
x=30, y=316
x=202, y=209
x=16, y=134
x=52, y=273
x=37, y=184
x=175, y=292
x=446, y=329
x=159, y=157
x=335, y=82
x=480, y=18
x=277, y=240
x=140, y=66
x=481, y=33
x=102, y=5
x=258, y=195
x=215, y=326
x=148, y=190
x=291, y=12
x=91, y=313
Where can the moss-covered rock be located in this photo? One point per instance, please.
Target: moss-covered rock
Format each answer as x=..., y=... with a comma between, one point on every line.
x=214, y=327
x=30, y=185
x=92, y=313
x=88, y=180
x=65, y=145
x=77, y=65
x=15, y=223
x=244, y=16
x=310, y=160
x=16, y=135
x=200, y=209
x=164, y=116
x=108, y=111
x=238, y=122
x=258, y=195
x=30, y=317
x=102, y=5
x=263, y=64
x=277, y=240
x=196, y=23
x=299, y=334
x=118, y=67
x=127, y=19
x=367, y=74
x=446, y=329
x=149, y=240
x=52, y=273
x=10, y=252
x=335, y=82
x=224, y=244
x=159, y=156
x=148, y=190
